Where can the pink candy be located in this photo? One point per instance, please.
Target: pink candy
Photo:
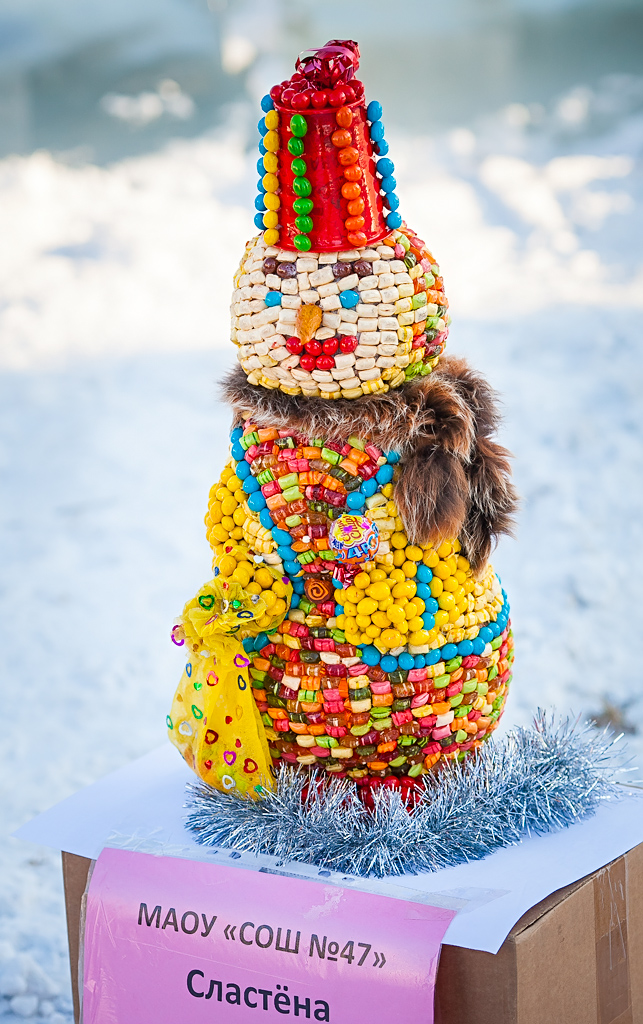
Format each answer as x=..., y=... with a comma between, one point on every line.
x=419, y=700
x=384, y=687
x=441, y=732
x=416, y=675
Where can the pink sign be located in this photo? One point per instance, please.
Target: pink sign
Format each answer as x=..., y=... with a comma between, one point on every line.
x=169, y=941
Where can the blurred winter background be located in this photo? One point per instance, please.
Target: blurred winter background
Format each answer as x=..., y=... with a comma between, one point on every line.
x=127, y=178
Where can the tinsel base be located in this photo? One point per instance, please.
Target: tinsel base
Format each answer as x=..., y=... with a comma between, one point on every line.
x=532, y=781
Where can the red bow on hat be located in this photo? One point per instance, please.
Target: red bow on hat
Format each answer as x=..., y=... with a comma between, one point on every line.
x=332, y=64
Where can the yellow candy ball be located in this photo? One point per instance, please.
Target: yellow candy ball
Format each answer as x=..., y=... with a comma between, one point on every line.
x=419, y=638
x=367, y=606
x=362, y=621
x=409, y=568
x=271, y=236
x=379, y=591
x=270, y=163
x=406, y=588
x=441, y=570
x=441, y=618
x=271, y=141
x=227, y=565
x=271, y=202
x=279, y=607
x=446, y=601
x=362, y=580
x=395, y=613
x=436, y=586
x=414, y=553
x=279, y=588
x=387, y=490
x=399, y=540
x=391, y=638
x=253, y=587
x=272, y=120
x=372, y=631
x=377, y=575
x=399, y=557
x=397, y=576
x=271, y=219
x=216, y=514
x=430, y=558
x=269, y=599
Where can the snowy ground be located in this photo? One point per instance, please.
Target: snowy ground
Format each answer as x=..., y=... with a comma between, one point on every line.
x=112, y=334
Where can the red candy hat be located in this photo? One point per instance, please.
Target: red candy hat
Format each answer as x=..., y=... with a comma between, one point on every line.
x=326, y=183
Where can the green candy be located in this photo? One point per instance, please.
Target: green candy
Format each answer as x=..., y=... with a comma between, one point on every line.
x=299, y=167
x=302, y=242
x=295, y=147
x=302, y=187
x=302, y=206
x=304, y=224
x=298, y=125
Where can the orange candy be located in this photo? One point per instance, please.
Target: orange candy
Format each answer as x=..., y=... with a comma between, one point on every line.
x=354, y=223
x=351, y=190
x=356, y=206
x=354, y=173
x=344, y=117
x=341, y=138
x=357, y=238
x=348, y=156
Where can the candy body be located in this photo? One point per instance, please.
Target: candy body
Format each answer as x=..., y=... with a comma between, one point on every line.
x=403, y=648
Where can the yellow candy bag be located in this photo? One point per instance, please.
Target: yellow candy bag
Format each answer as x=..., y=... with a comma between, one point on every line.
x=214, y=720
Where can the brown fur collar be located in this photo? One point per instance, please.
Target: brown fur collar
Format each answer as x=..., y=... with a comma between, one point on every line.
x=456, y=479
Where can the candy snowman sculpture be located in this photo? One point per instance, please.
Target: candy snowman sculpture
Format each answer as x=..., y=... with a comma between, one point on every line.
x=353, y=625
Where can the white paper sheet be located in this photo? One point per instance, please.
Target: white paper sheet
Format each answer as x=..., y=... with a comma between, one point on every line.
x=141, y=807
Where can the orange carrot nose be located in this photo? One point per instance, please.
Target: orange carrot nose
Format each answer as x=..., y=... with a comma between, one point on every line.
x=308, y=320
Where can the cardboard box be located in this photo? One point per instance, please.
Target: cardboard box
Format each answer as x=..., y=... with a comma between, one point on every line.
x=575, y=958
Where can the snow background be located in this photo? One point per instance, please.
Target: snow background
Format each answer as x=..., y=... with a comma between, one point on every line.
x=114, y=284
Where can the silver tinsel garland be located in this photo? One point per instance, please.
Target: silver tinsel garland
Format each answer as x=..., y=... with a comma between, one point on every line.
x=535, y=780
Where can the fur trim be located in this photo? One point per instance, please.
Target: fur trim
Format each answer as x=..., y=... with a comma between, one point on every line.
x=456, y=480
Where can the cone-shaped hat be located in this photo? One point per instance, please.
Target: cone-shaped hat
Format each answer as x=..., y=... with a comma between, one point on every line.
x=337, y=297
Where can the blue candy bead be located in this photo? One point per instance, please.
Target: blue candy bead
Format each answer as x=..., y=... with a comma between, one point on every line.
x=369, y=487
x=250, y=485
x=286, y=553
x=355, y=501
x=260, y=167
x=465, y=648
x=486, y=634
x=392, y=201
x=339, y=610
x=248, y=644
x=394, y=220
x=267, y=104
x=292, y=568
x=377, y=131
x=258, y=220
x=338, y=584
x=294, y=601
x=236, y=434
x=261, y=187
x=280, y=536
x=385, y=167
x=262, y=148
x=298, y=585
x=495, y=629
x=256, y=502
x=448, y=651
x=238, y=453
x=405, y=661
x=388, y=184
x=433, y=657
x=431, y=605
x=261, y=125
x=381, y=147
x=260, y=205
x=478, y=646
x=370, y=655
x=424, y=574
x=273, y=299
x=349, y=298
x=388, y=663
x=260, y=641
x=384, y=475
x=424, y=592
x=428, y=621
x=393, y=457
x=374, y=111
x=266, y=519
x=242, y=470
x=419, y=661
